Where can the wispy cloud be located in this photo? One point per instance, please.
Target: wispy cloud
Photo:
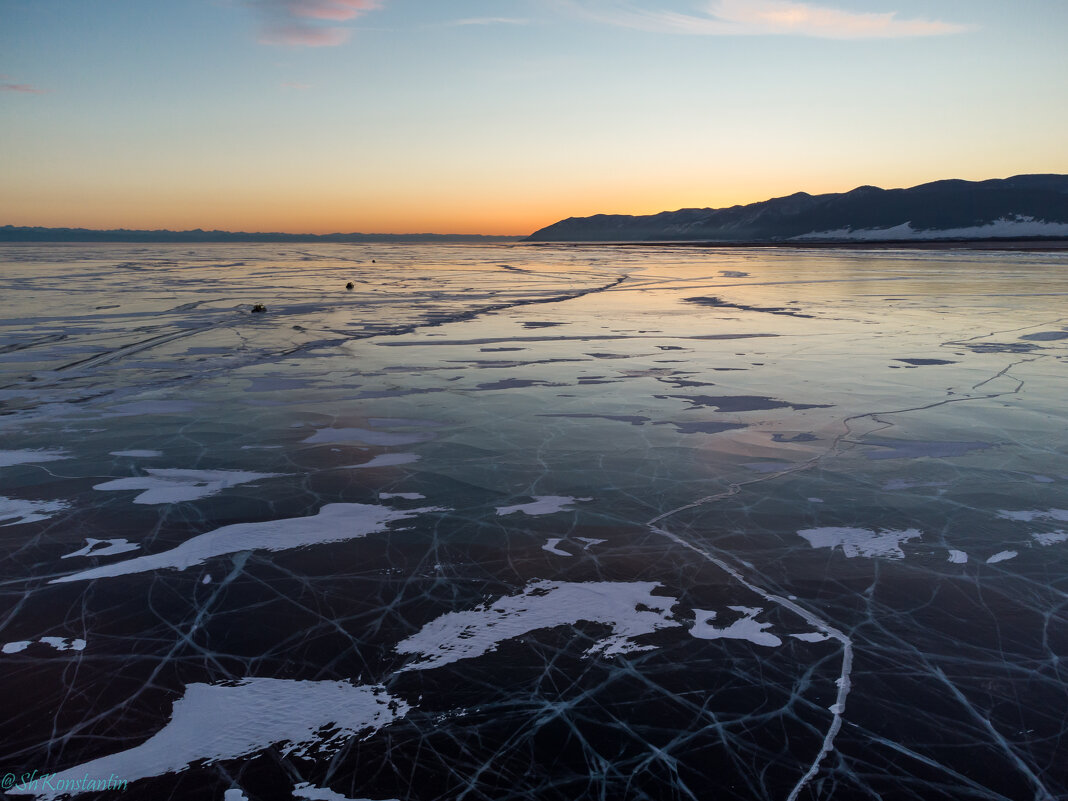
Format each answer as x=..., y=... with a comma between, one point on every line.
x=24, y=88
x=490, y=21
x=765, y=17
x=307, y=23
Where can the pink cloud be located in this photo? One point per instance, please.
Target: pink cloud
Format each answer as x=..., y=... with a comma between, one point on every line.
x=25, y=88
x=299, y=23
x=330, y=9
x=303, y=36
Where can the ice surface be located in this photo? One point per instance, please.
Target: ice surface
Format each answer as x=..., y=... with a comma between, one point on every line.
x=1002, y=556
x=542, y=505
x=860, y=541
x=879, y=394
x=335, y=522
x=175, y=486
x=224, y=721
x=630, y=609
x=16, y=511
x=307, y=791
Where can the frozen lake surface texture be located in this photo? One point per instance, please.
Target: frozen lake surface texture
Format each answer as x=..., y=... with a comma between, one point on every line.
x=533, y=522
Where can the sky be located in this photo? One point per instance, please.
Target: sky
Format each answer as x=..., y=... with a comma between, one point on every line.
x=503, y=116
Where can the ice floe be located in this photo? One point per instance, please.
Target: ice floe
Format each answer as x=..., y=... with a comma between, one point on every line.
x=542, y=505
x=214, y=722
x=18, y=511
x=1035, y=514
x=1050, y=537
x=630, y=608
x=1002, y=556
x=59, y=643
x=335, y=522
x=9, y=458
x=550, y=546
x=386, y=460
x=110, y=548
x=958, y=557
x=309, y=792
x=175, y=486
x=747, y=627
x=861, y=541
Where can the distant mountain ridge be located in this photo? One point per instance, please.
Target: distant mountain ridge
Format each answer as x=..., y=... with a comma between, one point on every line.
x=12, y=233
x=1021, y=206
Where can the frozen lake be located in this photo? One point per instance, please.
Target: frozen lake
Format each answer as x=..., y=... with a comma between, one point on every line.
x=534, y=522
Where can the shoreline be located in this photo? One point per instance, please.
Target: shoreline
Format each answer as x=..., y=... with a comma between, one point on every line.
x=1053, y=245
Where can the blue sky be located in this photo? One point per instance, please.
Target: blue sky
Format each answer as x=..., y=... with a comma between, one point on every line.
x=501, y=117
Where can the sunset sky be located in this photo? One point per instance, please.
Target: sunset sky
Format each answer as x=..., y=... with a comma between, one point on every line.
x=502, y=116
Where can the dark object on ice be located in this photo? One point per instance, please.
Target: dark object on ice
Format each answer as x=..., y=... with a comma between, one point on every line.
x=259, y=308
x=350, y=285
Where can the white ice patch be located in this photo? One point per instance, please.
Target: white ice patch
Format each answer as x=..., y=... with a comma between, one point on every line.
x=811, y=636
x=1035, y=514
x=175, y=486
x=364, y=436
x=958, y=557
x=1020, y=226
x=306, y=790
x=1050, y=538
x=110, y=548
x=215, y=722
x=589, y=541
x=59, y=643
x=9, y=458
x=137, y=454
x=630, y=608
x=19, y=511
x=386, y=460
x=551, y=544
x=408, y=496
x=542, y=505
x=746, y=627
x=1002, y=556
x=335, y=522
x=861, y=541
x=233, y=794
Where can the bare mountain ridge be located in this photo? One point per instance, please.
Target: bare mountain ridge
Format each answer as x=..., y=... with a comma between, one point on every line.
x=1024, y=205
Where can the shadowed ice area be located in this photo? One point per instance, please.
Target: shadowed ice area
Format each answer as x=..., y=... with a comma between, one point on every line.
x=533, y=522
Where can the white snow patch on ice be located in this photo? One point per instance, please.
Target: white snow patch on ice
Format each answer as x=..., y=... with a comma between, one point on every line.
x=589, y=541
x=19, y=511
x=1035, y=514
x=364, y=436
x=1050, y=537
x=215, y=722
x=386, y=460
x=9, y=458
x=958, y=557
x=1020, y=226
x=110, y=548
x=630, y=608
x=174, y=486
x=860, y=541
x=746, y=627
x=550, y=546
x=1002, y=556
x=811, y=636
x=542, y=505
x=137, y=454
x=16, y=647
x=234, y=794
x=335, y=522
x=59, y=643
x=308, y=791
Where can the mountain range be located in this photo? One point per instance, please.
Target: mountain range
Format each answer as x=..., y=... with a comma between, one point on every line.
x=1024, y=206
